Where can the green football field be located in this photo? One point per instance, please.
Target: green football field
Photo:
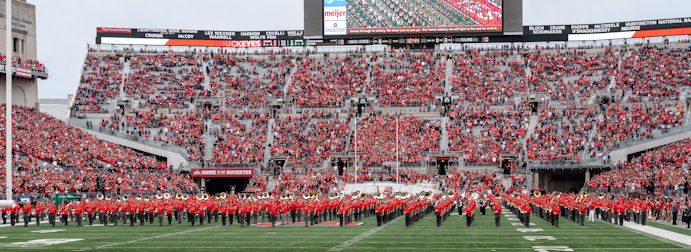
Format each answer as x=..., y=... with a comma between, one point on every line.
x=423, y=236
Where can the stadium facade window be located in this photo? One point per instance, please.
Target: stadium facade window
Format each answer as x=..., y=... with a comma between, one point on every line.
x=15, y=44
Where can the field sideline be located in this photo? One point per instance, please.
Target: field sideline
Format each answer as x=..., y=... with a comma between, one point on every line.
x=453, y=235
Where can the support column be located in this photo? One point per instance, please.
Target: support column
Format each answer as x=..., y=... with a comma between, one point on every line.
x=587, y=176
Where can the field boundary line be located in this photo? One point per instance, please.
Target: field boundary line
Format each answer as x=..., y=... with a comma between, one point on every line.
x=359, y=237
x=144, y=239
x=630, y=227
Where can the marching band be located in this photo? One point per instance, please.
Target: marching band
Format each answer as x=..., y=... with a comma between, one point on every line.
x=314, y=208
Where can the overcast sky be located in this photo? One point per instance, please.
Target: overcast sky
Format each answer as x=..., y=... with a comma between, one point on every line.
x=64, y=27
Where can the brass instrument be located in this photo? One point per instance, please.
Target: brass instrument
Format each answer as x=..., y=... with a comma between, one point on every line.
x=166, y=195
x=178, y=196
x=184, y=197
x=139, y=196
x=108, y=197
x=125, y=197
x=159, y=196
x=200, y=196
x=537, y=193
x=100, y=196
x=223, y=195
x=206, y=196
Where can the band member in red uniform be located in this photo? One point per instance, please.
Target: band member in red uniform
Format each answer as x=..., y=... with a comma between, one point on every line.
x=192, y=214
x=169, y=213
x=470, y=212
x=78, y=211
x=582, y=210
x=52, y=213
x=525, y=209
x=556, y=210
x=26, y=211
x=132, y=211
x=5, y=215
x=201, y=211
x=496, y=208
x=90, y=213
x=65, y=212
x=273, y=214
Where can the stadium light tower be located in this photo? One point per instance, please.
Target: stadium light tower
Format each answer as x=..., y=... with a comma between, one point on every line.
x=8, y=106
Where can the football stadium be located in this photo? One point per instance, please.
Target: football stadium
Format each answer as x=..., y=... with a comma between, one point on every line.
x=402, y=125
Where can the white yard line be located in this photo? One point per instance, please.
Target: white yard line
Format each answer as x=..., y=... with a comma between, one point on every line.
x=659, y=232
x=361, y=236
x=144, y=239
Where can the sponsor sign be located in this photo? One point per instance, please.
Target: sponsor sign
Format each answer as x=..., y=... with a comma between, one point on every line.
x=222, y=172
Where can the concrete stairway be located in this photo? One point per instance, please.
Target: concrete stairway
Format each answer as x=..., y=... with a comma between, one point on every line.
x=125, y=72
x=289, y=80
x=448, y=76
x=532, y=124
x=269, y=141
x=444, y=139
x=207, y=81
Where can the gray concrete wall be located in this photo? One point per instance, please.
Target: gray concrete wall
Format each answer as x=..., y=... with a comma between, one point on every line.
x=25, y=91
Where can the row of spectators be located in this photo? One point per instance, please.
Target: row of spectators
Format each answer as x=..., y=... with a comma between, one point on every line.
x=307, y=141
x=635, y=121
x=653, y=73
x=100, y=82
x=665, y=169
x=249, y=81
x=34, y=65
x=561, y=133
x=482, y=134
x=376, y=138
x=239, y=143
x=52, y=157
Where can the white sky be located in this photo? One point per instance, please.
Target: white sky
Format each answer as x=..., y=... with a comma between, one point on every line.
x=64, y=27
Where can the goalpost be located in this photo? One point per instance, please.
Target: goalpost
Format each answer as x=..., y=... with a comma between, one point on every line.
x=8, y=202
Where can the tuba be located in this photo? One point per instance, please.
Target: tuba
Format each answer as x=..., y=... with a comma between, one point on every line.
x=139, y=196
x=178, y=196
x=200, y=196
x=166, y=195
x=537, y=193
x=474, y=196
x=159, y=196
x=125, y=197
x=100, y=196
x=108, y=197
x=306, y=195
x=223, y=195
x=206, y=196
x=184, y=196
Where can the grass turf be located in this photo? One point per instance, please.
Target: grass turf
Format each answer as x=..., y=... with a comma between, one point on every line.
x=423, y=236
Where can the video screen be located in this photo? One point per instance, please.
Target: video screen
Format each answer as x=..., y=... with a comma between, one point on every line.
x=381, y=17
